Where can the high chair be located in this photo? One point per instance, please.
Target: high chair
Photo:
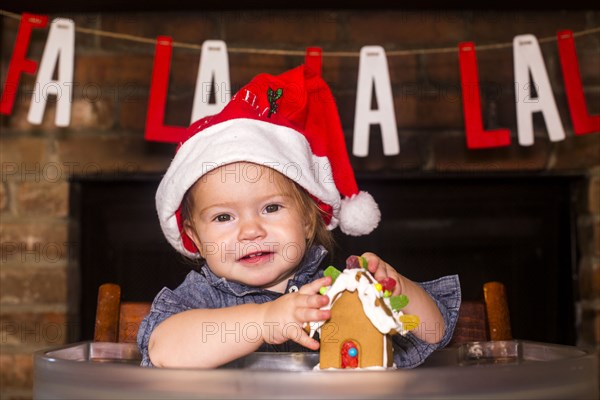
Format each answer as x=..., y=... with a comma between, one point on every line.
x=117, y=321
x=481, y=320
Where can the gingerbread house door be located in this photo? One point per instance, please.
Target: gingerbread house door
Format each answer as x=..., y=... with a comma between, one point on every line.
x=350, y=354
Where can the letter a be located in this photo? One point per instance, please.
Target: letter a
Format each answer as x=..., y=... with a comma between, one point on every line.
x=528, y=59
x=60, y=46
x=213, y=74
x=373, y=73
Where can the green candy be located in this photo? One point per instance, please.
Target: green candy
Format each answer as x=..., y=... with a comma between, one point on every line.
x=333, y=272
x=398, y=302
x=323, y=290
x=363, y=262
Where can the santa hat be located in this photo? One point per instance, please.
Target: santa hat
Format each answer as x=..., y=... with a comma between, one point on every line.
x=288, y=122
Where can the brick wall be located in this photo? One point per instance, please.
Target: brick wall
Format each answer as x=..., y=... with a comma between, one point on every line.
x=106, y=133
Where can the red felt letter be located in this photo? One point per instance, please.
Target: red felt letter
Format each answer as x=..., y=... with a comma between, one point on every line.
x=477, y=137
x=155, y=130
x=583, y=122
x=18, y=62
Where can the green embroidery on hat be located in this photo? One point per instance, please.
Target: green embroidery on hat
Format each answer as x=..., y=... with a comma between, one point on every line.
x=273, y=96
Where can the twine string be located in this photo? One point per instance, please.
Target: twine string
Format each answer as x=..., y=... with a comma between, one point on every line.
x=301, y=53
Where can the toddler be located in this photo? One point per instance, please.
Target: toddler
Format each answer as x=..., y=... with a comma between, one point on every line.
x=253, y=195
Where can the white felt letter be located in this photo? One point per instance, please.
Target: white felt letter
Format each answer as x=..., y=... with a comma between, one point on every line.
x=373, y=74
x=528, y=59
x=213, y=77
x=60, y=46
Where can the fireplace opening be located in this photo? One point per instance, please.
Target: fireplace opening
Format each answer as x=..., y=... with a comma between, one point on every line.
x=515, y=228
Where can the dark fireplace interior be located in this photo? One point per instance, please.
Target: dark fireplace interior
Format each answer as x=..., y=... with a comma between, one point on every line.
x=515, y=228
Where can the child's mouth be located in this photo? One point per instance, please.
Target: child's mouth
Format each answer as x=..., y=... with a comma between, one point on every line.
x=256, y=257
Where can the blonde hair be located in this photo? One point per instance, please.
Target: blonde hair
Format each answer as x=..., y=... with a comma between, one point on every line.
x=318, y=234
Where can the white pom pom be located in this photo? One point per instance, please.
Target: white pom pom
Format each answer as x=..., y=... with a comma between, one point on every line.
x=359, y=214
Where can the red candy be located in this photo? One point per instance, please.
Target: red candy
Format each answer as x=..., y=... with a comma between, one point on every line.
x=388, y=284
x=349, y=360
x=352, y=262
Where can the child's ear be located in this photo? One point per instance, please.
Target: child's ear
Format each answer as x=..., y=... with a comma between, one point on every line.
x=189, y=230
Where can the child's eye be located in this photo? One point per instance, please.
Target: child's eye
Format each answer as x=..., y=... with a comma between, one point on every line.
x=222, y=218
x=271, y=208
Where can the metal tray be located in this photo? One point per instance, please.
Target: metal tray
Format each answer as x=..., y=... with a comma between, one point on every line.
x=478, y=370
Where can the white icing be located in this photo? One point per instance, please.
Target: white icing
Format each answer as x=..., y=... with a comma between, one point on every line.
x=372, y=368
x=382, y=317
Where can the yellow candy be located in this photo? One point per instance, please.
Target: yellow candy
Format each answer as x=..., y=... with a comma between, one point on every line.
x=378, y=287
x=409, y=321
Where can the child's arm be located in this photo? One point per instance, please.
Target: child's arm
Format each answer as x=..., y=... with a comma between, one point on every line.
x=208, y=338
x=420, y=303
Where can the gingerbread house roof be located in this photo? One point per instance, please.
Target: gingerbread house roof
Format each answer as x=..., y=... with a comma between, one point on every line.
x=375, y=305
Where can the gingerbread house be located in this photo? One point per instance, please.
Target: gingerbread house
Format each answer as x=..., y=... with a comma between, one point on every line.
x=364, y=315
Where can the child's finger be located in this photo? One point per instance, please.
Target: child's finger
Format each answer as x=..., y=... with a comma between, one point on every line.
x=372, y=261
x=305, y=314
x=304, y=340
x=314, y=286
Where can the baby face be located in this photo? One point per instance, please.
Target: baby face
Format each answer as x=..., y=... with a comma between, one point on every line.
x=246, y=227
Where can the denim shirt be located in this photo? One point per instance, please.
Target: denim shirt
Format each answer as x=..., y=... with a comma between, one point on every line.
x=206, y=290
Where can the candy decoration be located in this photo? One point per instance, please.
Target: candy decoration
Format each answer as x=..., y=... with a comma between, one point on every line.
x=333, y=272
x=410, y=321
x=363, y=262
x=388, y=284
x=378, y=287
x=398, y=302
x=323, y=290
x=387, y=293
x=349, y=355
x=352, y=262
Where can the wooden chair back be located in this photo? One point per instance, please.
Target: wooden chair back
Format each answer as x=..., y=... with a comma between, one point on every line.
x=487, y=319
x=117, y=321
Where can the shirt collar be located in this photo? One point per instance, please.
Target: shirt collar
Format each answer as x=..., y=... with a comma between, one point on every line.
x=308, y=268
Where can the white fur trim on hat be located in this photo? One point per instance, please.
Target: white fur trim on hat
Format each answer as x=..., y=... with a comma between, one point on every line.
x=359, y=214
x=278, y=147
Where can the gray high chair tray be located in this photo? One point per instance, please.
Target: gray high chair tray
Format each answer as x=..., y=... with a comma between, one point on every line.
x=476, y=370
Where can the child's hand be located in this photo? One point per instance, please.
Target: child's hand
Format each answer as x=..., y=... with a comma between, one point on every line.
x=284, y=318
x=382, y=270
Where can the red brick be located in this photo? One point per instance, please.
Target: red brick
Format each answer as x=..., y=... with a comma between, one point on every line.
x=442, y=68
x=16, y=371
x=596, y=237
x=501, y=27
x=133, y=114
x=577, y=152
x=20, y=154
x=42, y=198
x=243, y=66
x=588, y=57
x=279, y=28
x=96, y=155
x=407, y=29
x=495, y=67
x=189, y=28
x=38, y=243
x=3, y=196
x=428, y=106
x=450, y=153
x=35, y=329
x=26, y=285
x=593, y=195
x=113, y=73
x=91, y=113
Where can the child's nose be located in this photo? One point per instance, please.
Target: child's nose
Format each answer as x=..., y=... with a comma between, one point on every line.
x=251, y=228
